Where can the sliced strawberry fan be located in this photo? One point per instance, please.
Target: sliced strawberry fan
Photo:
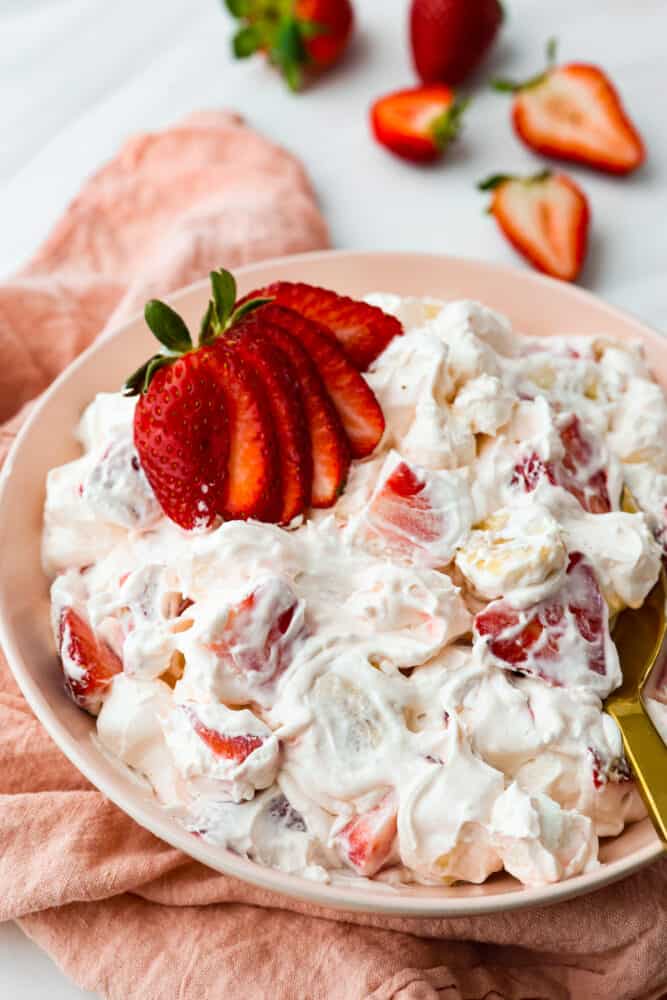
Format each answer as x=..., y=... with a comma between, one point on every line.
x=261, y=418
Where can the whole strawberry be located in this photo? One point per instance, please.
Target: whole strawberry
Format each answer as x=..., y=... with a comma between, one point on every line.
x=450, y=37
x=297, y=36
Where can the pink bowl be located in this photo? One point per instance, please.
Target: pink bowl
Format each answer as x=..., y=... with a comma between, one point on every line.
x=536, y=305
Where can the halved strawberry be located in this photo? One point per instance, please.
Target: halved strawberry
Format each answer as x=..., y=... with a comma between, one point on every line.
x=419, y=123
x=574, y=112
x=89, y=665
x=366, y=841
x=545, y=217
x=563, y=639
x=282, y=392
x=363, y=331
x=355, y=402
x=328, y=441
x=260, y=633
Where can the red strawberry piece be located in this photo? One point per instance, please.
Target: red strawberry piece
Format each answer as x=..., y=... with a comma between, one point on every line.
x=261, y=632
x=354, y=400
x=301, y=35
x=89, y=665
x=236, y=747
x=574, y=112
x=417, y=124
x=545, y=217
x=366, y=841
x=282, y=391
x=251, y=486
x=450, y=37
x=363, y=331
x=531, y=470
x=401, y=511
x=328, y=441
x=582, y=471
x=561, y=639
x=183, y=456
x=202, y=429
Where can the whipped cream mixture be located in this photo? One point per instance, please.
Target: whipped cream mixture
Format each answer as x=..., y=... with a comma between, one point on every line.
x=409, y=685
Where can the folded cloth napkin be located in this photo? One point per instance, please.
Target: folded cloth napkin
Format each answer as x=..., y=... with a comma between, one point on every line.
x=119, y=911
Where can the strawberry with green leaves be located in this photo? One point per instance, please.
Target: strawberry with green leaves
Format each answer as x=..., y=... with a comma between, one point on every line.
x=298, y=36
x=418, y=124
x=202, y=429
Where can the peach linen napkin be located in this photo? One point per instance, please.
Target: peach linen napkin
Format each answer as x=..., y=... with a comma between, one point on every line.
x=119, y=911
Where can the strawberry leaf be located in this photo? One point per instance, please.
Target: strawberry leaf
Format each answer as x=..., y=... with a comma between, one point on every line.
x=167, y=326
x=237, y=8
x=245, y=308
x=224, y=297
x=206, y=332
x=448, y=125
x=494, y=181
x=139, y=381
x=246, y=42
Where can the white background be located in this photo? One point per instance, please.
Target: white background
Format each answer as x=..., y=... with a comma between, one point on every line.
x=78, y=76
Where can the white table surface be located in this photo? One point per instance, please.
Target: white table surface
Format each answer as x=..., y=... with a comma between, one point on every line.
x=77, y=76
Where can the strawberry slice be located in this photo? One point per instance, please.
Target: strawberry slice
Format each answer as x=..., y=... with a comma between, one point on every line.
x=363, y=331
x=88, y=665
x=252, y=467
x=236, y=748
x=563, y=639
x=419, y=123
x=283, y=394
x=366, y=841
x=261, y=632
x=329, y=444
x=574, y=112
x=531, y=470
x=354, y=400
x=545, y=217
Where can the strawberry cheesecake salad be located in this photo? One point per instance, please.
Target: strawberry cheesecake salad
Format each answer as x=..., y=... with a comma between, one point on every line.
x=339, y=581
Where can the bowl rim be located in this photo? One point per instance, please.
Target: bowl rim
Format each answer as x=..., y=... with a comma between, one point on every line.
x=338, y=895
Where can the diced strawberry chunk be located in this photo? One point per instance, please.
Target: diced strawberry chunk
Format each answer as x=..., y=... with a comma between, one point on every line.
x=531, y=470
x=88, y=664
x=419, y=514
x=236, y=748
x=562, y=639
x=366, y=841
x=261, y=631
x=581, y=471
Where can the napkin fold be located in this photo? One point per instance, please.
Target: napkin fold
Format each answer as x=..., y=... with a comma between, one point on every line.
x=119, y=911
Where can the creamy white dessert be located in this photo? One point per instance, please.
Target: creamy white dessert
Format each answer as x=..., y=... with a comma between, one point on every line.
x=408, y=686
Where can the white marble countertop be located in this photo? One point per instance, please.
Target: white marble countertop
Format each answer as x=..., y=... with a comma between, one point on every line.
x=78, y=76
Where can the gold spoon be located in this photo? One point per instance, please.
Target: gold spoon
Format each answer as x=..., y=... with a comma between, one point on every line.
x=639, y=635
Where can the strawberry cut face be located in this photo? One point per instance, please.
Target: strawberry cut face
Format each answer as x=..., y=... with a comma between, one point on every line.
x=89, y=665
x=236, y=748
x=581, y=471
x=366, y=841
x=564, y=639
x=261, y=632
x=419, y=515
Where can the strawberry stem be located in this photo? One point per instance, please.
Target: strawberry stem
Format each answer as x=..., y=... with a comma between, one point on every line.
x=515, y=86
x=447, y=126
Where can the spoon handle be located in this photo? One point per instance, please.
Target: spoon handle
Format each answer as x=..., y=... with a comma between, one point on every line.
x=647, y=755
